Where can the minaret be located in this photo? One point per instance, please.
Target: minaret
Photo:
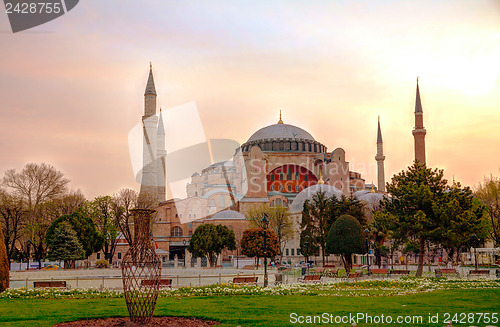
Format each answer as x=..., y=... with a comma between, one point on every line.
x=149, y=127
x=380, y=160
x=161, y=154
x=419, y=130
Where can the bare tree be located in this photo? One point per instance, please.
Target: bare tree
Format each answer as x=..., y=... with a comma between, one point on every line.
x=279, y=221
x=124, y=201
x=69, y=203
x=36, y=183
x=489, y=192
x=13, y=220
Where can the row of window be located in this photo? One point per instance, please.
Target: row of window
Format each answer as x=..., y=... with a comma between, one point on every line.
x=289, y=188
x=289, y=176
x=292, y=251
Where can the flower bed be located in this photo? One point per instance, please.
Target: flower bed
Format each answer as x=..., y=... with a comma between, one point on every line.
x=403, y=286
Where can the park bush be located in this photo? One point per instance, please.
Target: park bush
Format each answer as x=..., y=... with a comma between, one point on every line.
x=102, y=264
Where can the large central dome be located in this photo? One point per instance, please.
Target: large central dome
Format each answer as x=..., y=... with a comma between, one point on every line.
x=282, y=137
x=281, y=131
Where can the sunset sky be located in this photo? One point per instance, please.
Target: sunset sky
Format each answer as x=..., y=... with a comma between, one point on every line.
x=72, y=89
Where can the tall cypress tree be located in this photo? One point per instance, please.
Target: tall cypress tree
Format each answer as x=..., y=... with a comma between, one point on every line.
x=4, y=264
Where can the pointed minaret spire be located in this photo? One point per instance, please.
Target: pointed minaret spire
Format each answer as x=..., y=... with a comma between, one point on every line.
x=150, y=86
x=280, y=121
x=380, y=160
x=161, y=164
x=418, y=103
x=419, y=130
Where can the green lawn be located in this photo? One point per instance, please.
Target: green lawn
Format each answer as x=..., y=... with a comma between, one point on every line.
x=266, y=310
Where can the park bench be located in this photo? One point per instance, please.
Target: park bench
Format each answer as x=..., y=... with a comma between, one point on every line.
x=381, y=271
x=329, y=272
x=162, y=282
x=317, y=271
x=399, y=272
x=446, y=271
x=52, y=283
x=245, y=280
x=310, y=279
x=249, y=267
x=329, y=266
x=479, y=272
x=355, y=275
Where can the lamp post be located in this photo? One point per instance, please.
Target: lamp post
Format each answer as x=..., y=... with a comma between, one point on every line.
x=265, y=224
x=306, y=244
x=476, y=239
x=367, y=249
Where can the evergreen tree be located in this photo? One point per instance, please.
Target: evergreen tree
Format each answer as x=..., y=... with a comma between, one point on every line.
x=346, y=238
x=64, y=245
x=4, y=264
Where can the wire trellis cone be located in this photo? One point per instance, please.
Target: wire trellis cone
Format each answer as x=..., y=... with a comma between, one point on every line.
x=141, y=270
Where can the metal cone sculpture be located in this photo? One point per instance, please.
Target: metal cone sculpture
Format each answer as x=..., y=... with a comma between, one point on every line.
x=141, y=270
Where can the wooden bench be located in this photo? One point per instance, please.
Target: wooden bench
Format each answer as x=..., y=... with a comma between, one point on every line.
x=329, y=266
x=354, y=275
x=245, y=280
x=162, y=282
x=399, y=272
x=249, y=267
x=310, y=279
x=52, y=283
x=479, y=272
x=381, y=271
x=446, y=271
x=329, y=272
x=317, y=271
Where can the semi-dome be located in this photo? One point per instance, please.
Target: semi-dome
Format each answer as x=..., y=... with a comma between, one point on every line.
x=281, y=131
x=371, y=199
x=227, y=214
x=308, y=193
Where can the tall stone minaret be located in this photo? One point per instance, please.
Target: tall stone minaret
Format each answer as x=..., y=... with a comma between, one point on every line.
x=380, y=160
x=149, y=127
x=161, y=154
x=419, y=130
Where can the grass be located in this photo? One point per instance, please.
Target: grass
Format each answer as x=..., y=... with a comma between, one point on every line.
x=267, y=310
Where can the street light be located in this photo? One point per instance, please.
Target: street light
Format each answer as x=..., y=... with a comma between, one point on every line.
x=367, y=249
x=306, y=244
x=265, y=224
x=475, y=250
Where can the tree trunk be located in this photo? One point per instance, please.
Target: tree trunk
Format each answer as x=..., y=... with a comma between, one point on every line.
x=421, y=257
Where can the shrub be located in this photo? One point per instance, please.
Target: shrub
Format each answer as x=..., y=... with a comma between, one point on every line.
x=4, y=264
x=102, y=264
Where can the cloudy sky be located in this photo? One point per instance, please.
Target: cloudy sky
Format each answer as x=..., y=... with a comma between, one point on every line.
x=72, y=89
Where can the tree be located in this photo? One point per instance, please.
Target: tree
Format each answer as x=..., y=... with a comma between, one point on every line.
x=316, y=220
x=85, y=229
x=252, y=243
x=12, y=220
x=489, y=192
x=347, y=205
x=64, y=245
x=460, y=216
x=414, y=194
x=103, y=212
x=210, y=240
x=379, y=230
x=36, y=183
x=4, y=265
x=123, y=202
x=280, y=222
x=346, y=238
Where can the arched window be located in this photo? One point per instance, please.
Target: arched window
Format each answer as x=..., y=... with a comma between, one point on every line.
x=280, y=188
x=297, y=188
x=272, y=188
x=222, y=201
x=195, y=193
x=289, y=188
x=176, y=231
x=281, y=175
x=272, y=178
x=211, y=203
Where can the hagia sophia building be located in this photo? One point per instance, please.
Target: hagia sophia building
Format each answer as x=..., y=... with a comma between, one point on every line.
x=279, y=165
